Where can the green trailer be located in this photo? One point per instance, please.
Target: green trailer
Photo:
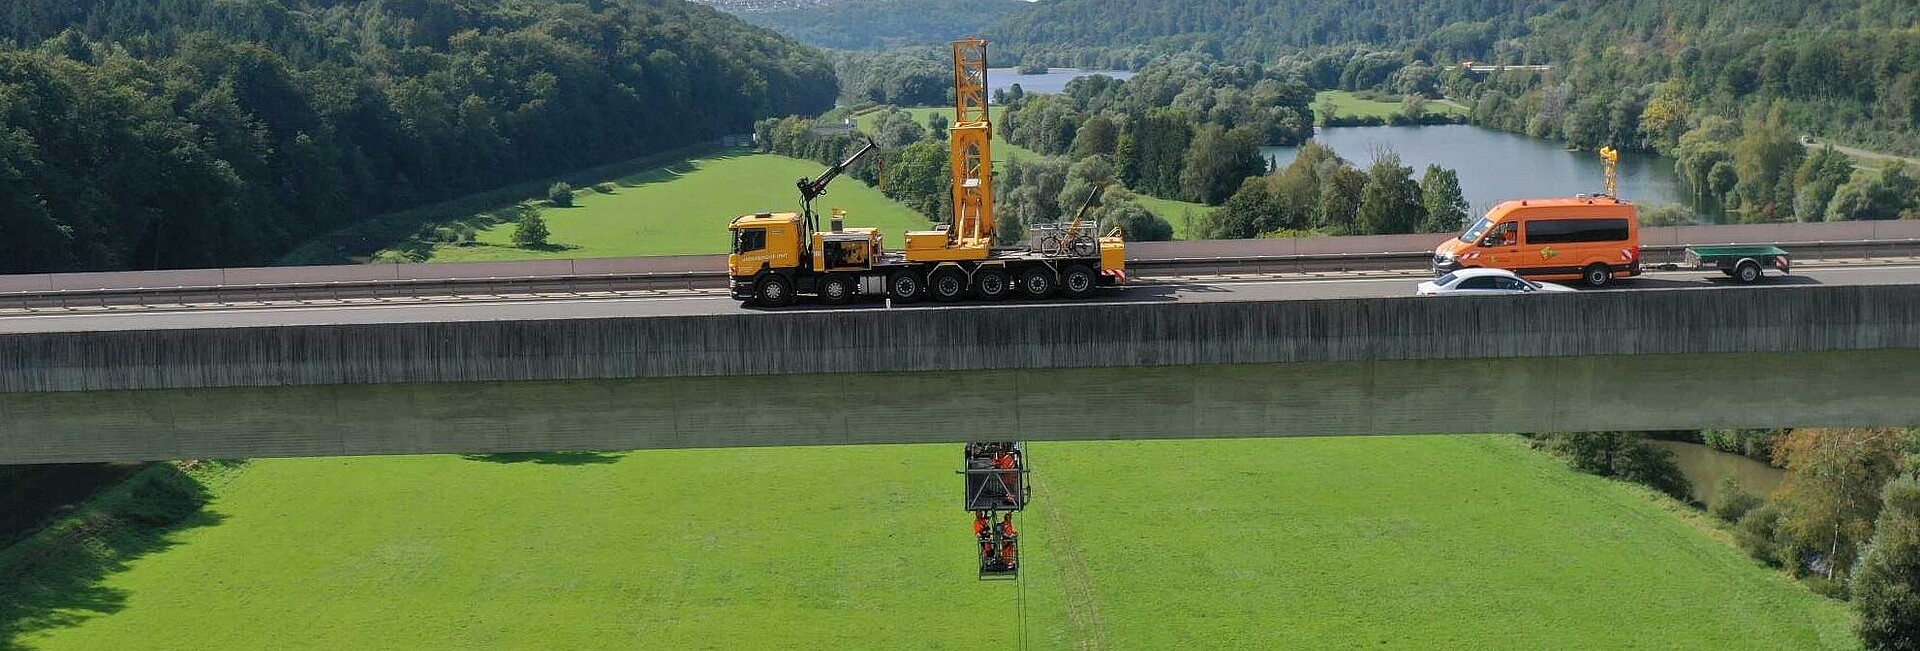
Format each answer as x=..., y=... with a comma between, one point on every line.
x=1745, y=263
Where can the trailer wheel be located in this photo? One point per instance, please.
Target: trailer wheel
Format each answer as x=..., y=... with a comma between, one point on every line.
x=773, y=290
x=990, y=284
x=1597, y=275
x=1747, y=271
x=1078, y=281
x=948, y=285
x=904, y=286
x=837, y=289
x=1037, y=282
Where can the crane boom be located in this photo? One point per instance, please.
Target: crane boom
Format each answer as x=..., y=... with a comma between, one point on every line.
x=972, y=142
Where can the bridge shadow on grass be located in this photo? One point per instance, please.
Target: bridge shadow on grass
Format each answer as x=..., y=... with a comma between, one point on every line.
x=56, y=578
x=558, y=458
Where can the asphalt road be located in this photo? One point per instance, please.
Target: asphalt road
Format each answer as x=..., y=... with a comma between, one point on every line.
x=686, y=303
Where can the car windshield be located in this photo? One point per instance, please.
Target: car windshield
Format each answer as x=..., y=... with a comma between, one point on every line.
x=1478, y=229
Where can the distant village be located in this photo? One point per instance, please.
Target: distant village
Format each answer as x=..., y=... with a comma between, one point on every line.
x=749, y=6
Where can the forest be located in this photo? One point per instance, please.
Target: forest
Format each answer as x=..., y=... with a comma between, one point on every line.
x=881, y=24
x=141, y=134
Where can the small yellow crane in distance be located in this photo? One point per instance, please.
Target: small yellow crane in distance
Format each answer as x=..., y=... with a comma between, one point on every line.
x=780, y=257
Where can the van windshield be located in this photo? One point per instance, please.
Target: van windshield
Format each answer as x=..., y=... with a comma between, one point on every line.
x=1478, y=229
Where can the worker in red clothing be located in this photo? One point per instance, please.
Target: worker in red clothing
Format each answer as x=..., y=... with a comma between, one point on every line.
x=983, y=532
x=1010, y=461
x=1009, y=550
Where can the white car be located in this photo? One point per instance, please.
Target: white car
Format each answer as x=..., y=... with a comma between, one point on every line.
x=1486, y=281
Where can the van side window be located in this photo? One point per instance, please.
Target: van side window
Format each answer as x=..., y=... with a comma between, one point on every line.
x=1504, y=235
x=1571, y=231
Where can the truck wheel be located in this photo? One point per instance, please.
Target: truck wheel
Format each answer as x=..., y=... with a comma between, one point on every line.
x=948, y=285
x=774, y=290
x=837, y=289
x=1085, y=247
x=1037, y=282
x=990, y=284
x=1748, y=271
x=1078, y=281
x=904, y=286
x=1597, y=275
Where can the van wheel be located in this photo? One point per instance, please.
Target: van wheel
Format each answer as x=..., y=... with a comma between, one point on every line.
x=774, y=290
x=1598, y=275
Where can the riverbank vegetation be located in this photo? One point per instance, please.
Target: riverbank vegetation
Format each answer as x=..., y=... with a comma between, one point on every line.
x=151, y=134
x=1266, y=542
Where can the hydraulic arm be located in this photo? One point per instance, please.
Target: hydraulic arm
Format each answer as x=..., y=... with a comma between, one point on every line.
x=814, y=188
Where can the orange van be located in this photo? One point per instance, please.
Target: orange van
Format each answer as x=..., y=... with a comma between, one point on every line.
x=1593, y=239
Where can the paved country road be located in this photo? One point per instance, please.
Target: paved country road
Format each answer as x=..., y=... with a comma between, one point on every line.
x=687, y=303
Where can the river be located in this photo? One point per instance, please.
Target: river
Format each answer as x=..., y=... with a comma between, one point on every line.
x=1705, y=467
x=1496, y=166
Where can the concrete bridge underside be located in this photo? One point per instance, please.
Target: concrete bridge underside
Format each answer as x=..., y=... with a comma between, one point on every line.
x=1429, y=396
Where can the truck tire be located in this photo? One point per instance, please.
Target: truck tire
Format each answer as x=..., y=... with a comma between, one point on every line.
x=991, y=283
x=773, y=290
x=948, y=285
x=1747, y=272
x=837, y=289
x=1597, y=275
x=905, y=286
x=1037, y=282
x=1078, y=281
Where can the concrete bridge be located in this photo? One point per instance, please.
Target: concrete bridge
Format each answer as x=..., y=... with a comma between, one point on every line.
x=1150, y=366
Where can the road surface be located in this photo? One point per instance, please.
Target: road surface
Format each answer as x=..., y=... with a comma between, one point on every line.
x=706, y=302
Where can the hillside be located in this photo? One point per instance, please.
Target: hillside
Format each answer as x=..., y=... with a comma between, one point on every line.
x=164, y=134
x=878, y=24
x=1241, y=29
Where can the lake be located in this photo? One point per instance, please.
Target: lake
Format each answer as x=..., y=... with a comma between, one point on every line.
x=1055, y=81
x=1496, y=166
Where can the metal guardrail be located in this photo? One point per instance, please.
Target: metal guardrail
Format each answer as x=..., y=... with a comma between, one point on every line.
x=697, y=280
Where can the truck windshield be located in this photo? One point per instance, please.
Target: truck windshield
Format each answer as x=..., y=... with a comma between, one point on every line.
x=748, y=240
x=1478, y=229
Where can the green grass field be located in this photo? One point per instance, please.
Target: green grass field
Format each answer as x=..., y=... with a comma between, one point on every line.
x=1347, y=104
x=1334, y=543
x=1167, y=209
x=1175, y=212
x=684, y=209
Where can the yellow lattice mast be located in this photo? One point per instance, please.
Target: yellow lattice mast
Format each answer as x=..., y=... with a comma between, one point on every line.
x=971, y=138
x=1611, y=158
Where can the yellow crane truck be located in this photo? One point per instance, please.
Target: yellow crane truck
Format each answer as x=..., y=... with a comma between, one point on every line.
x=778, y=257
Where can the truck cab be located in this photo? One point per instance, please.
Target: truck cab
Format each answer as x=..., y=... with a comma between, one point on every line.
x=763, y=242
